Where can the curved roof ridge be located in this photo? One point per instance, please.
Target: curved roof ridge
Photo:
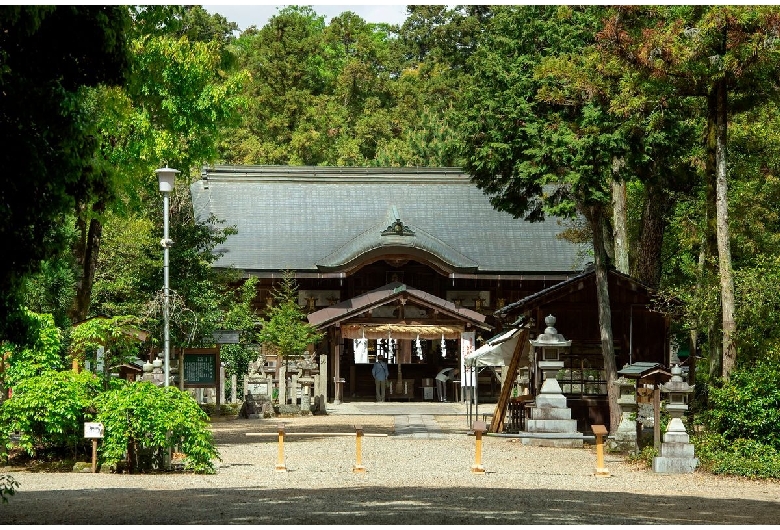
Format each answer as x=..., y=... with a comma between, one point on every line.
x=381, y=236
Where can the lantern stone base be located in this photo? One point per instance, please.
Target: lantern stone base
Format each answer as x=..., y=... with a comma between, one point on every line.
x=572, y=440
x=670, y=465
x=625, y=438
x=677, y=454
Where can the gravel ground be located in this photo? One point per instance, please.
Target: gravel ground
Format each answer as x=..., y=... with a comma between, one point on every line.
x=407, y=481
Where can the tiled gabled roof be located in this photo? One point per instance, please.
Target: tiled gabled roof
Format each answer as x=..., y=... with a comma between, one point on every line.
x=319, y=219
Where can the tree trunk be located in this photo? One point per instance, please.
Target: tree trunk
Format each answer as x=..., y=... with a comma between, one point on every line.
x=724, y=245
x=648, y=256
x=620, y=230
x=597, y=219
x=710, y=243
x=87, y=250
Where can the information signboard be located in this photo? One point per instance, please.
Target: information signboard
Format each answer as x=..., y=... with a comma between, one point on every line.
x=200, y=369
x=93, y=430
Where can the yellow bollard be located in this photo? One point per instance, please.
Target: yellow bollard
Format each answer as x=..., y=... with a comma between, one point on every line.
x=358, y=467
x=280, y=462
x=600, y=432
x=479, y=427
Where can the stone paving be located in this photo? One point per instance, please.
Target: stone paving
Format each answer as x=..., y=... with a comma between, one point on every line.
x=414, y=419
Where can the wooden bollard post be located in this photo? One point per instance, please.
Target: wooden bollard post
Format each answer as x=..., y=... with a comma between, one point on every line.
x=479, y=427
x=280, y=461
x=600, y=432
x=94, y=455
x=358, y=467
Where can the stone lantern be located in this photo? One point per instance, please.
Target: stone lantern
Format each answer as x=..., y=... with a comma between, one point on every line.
x=625, y=436
x=550, y=417
x=676, y=450
x=548, y=348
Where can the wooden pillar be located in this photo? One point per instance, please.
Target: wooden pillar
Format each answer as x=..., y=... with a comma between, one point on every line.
x=337, y=380
x=280, y=459
x=479, y=428
x=322, y=390
x=358, y=467
x=220, y=388
x=94, y=455
x=657, y=416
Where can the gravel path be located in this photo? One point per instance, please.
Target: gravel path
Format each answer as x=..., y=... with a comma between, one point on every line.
x=409, y=479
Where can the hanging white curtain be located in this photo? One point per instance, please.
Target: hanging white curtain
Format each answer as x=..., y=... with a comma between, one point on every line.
x=418, y=348
x=361, y=350
x=443, y=347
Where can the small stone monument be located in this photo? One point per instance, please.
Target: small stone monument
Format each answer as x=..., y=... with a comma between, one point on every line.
x=153, y=372
x=550, y=418
x=676, y=450
x=625, y=438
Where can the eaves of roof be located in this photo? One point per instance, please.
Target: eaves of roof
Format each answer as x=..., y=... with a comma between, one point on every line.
x=565, y=287
x=386, y=294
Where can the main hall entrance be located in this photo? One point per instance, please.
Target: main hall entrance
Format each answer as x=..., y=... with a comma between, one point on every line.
x=418, y=333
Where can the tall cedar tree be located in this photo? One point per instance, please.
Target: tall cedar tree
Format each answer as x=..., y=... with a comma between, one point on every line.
x=728, y=55
x=534, y=157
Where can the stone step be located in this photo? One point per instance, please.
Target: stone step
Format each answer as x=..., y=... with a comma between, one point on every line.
x=552, y=426
x=664, y=464
x=550, y=414
x=676, y=450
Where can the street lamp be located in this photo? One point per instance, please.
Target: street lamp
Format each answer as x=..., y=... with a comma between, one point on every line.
x=167, y=178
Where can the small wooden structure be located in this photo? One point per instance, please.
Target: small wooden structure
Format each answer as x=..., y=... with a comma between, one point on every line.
x=647, y=373
x=600, y=432
x=640, y=335
x=480, y=427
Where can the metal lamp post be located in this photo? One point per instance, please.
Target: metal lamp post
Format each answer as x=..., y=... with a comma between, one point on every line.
x=166, y=178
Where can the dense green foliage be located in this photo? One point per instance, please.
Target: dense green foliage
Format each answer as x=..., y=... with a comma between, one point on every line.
x=744, y=457
x=285, y=328
x=47, y=136
x=48, y=411
x=41, y=351
x=241, y=317
x=748, y=406
x=142, y=415
x=48, y=407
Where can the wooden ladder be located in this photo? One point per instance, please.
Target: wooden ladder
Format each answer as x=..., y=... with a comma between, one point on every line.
x=521, y=348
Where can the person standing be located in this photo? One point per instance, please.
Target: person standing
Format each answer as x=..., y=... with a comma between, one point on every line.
x=380, y=373
x=447, y=374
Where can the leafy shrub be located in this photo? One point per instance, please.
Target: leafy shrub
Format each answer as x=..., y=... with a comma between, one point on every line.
x=7, y=487
x=747, y=458
x=748, y=406
x=139, y=416
x=49, y=411
x=225, y=409
x=643, y=457
x=41, y=354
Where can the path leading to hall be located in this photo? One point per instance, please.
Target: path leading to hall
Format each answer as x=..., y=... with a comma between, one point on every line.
x=412, y=419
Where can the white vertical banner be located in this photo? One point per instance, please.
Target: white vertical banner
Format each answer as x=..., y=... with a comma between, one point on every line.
x=467, y=339
x=360, y=346
x=100, y=358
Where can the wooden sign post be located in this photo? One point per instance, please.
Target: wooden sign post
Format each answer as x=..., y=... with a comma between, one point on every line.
x=95, y=431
